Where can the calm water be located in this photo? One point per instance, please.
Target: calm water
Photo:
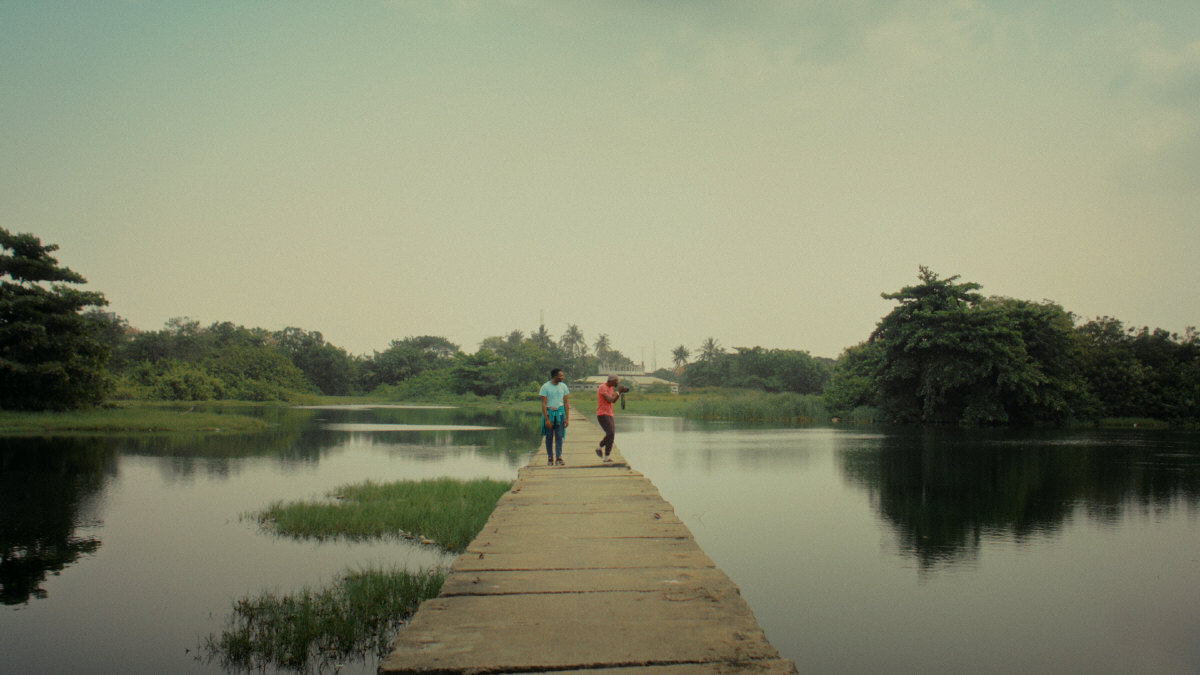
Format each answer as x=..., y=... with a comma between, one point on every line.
x=946, y=552
x=120, y=555
x=859, y=551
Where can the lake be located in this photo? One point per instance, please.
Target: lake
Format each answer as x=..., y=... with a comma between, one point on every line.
x=946, y=551
x=859, y=550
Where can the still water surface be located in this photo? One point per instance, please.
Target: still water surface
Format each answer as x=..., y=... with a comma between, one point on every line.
x=859, y=550
x=946, y=552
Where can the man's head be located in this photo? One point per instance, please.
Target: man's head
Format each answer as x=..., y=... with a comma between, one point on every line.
x=556, y=375
x=613, y=380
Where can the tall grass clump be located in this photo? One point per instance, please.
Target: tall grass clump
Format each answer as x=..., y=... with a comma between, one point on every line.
x=445, y=511
x=358, y=615
x=755, y=406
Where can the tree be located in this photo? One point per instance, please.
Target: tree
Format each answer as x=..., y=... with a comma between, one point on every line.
x=1048, y=336
x=949, y=358
x=711, y=349
x=113, y=331
x=853, y=381
x=405, y=358
x=770, y=370
x=330, y=369
x=602, y=345
x=1140, y=372
x=572, y=342
x=541, y=337
x=574, y=349
x=51, y=353
x=680, y=356
x=224, y=361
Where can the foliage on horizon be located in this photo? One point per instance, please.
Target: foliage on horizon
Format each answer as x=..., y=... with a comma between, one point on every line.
x=944, y=354
x=769, y=370
x=188, y=362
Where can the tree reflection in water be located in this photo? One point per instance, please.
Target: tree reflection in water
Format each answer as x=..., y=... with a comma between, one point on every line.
x=944, y=490
x=47, y=492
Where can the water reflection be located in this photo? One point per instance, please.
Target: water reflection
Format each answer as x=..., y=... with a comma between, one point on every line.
x=48, y=492
x=1080, y=548
x=945, y=491
x=52, y=489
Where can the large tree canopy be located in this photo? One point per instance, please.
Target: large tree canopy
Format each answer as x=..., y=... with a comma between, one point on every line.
x=51, y=356
x=950, y=356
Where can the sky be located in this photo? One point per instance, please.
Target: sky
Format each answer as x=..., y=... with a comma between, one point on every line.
x=660, y=172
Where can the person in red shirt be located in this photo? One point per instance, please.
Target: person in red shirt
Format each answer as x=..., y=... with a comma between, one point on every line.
x=606, y=395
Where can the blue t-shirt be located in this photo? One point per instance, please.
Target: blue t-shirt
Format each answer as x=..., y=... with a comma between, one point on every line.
x=554, y=394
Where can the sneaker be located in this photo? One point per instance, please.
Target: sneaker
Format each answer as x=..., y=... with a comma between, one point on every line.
x=550, y=463
x=599, y=453
x=560, y=462
x=608, y=459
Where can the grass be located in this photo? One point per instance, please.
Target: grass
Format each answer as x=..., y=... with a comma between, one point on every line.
x=446, y=512
x=761, y=407
x=358, y=615
x=127, y=418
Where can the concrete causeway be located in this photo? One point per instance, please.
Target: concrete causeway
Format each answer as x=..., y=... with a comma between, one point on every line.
x=584, y=567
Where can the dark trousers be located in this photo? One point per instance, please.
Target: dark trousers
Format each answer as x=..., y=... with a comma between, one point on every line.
x=610, y=432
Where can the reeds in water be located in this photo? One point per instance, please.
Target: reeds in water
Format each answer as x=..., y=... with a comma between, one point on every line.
x=755, y=406
x=357, y=616
x=444, y=511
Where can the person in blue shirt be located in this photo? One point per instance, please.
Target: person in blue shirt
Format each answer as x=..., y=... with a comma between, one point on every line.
x=556, y=415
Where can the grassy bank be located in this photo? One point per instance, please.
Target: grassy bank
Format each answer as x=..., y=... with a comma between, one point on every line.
x=358, y=615
x=446, y=512
x=129, y=417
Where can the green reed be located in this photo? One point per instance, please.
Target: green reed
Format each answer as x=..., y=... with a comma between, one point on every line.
x=358, y=615
x=755, y=406
x=446, y=512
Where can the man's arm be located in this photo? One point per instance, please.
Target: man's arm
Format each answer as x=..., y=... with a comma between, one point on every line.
x=545, y=418
x=566, y=411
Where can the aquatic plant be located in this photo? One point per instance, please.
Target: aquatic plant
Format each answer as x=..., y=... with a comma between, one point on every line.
x=356, y=617
x=445, y=512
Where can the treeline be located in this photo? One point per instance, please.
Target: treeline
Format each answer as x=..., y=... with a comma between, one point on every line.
x=949, y=355
x=188, y=361
x=945, y=354
x=769, y=370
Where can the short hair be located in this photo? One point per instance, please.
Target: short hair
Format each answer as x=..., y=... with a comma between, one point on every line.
x=555, y=371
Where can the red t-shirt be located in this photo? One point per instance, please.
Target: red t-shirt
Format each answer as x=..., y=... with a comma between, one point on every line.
x=603, y=405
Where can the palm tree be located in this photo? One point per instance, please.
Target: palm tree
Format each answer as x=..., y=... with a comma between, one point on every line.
x=542, y=337
x=711, y=349
x=573, y=343
x=602, y=346
x=680, y=354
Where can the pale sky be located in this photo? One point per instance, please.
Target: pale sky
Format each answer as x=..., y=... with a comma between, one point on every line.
x=663, y=172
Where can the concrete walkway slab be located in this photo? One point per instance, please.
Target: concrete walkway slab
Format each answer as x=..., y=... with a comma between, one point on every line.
x=584, y=567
